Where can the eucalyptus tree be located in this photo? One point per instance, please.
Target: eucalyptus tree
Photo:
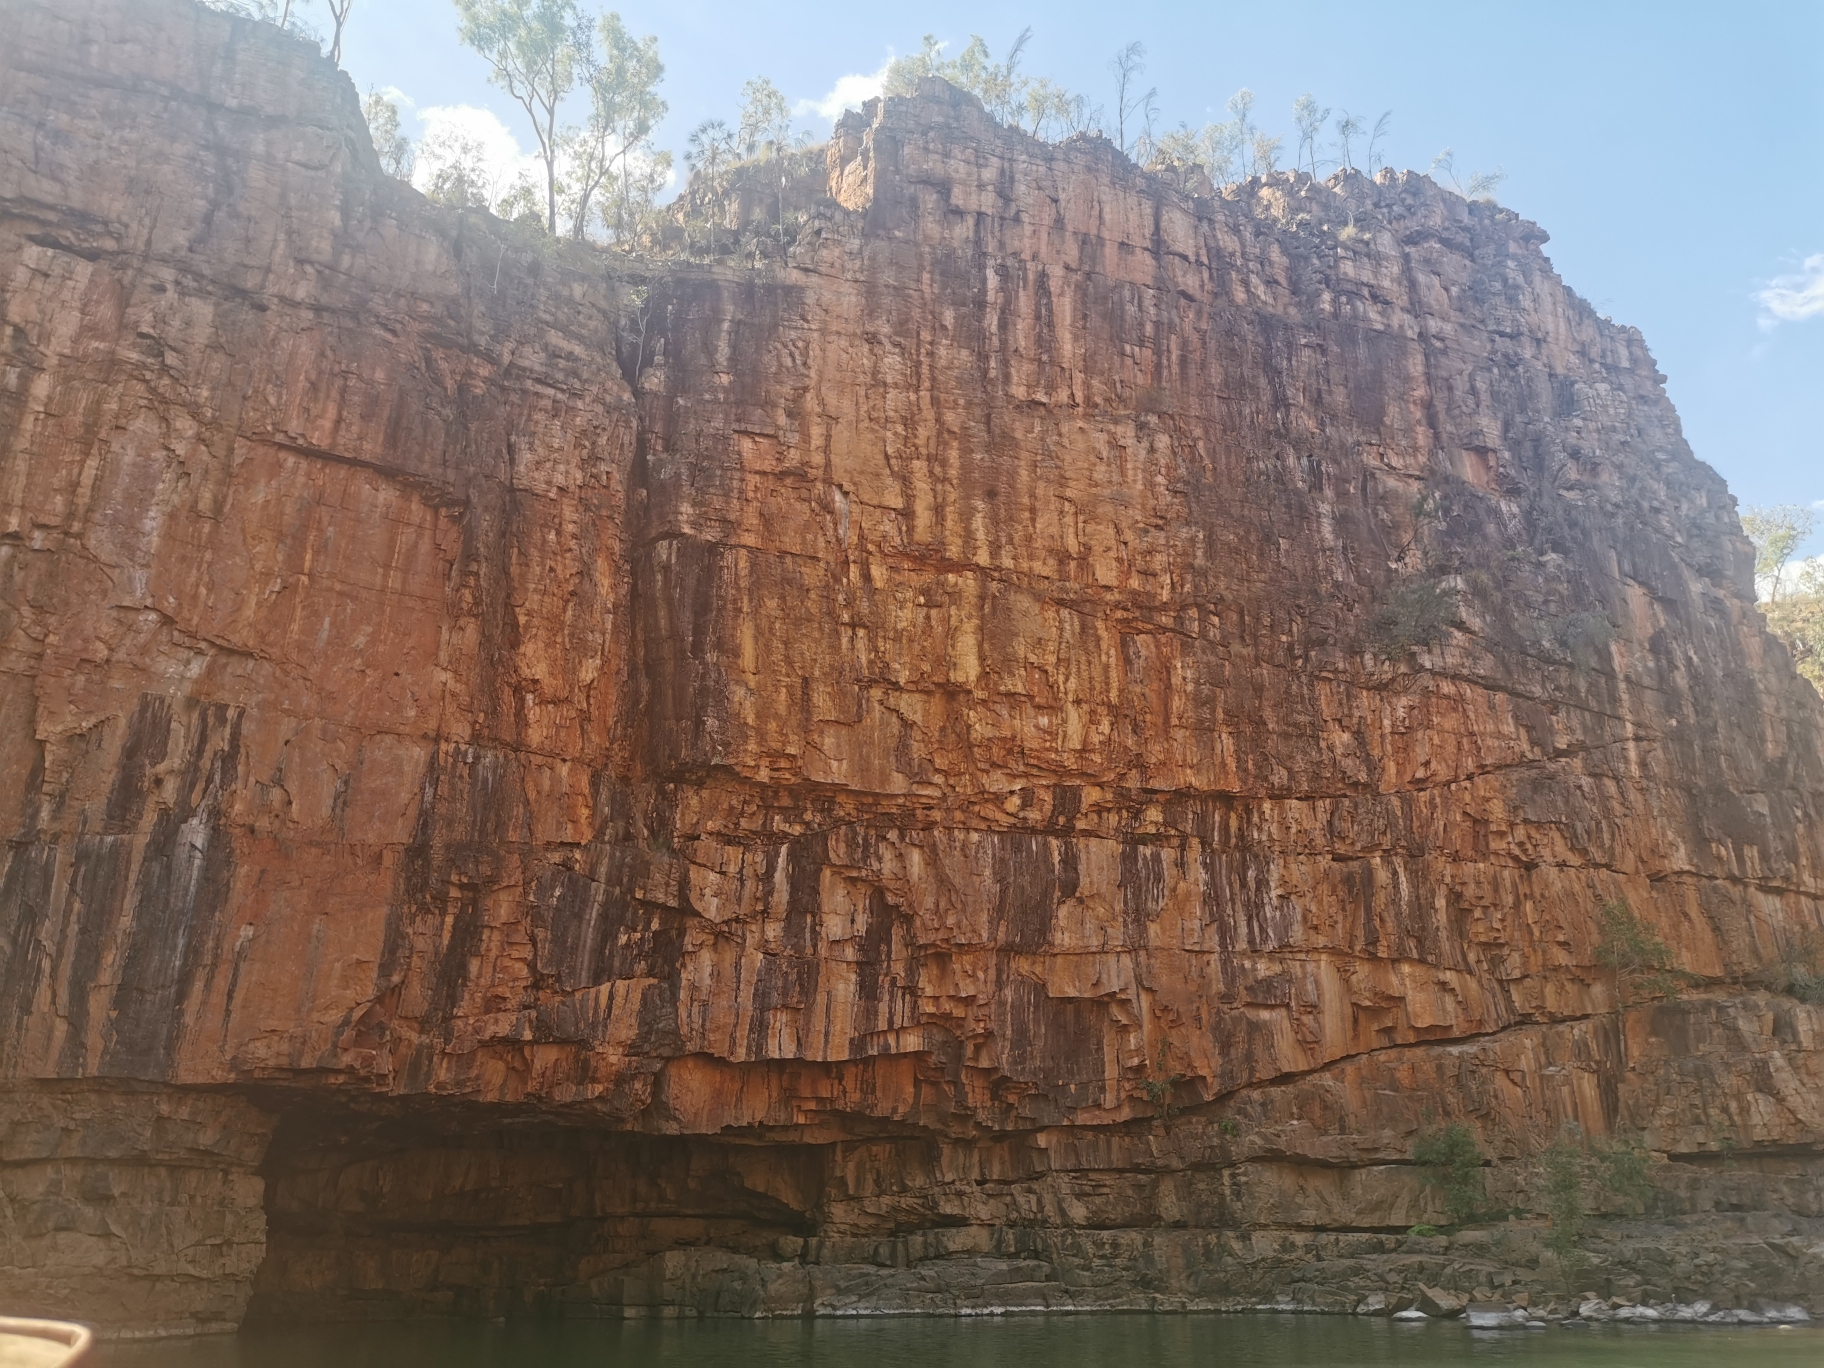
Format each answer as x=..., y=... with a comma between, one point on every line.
x=1240, y=130
x=1348, y=129
x=453, y=169
x=1131, y=103
x=1263, y=152
x=1048, y=106
x=338, y=13
x=1310, y=121
x=1374, y=138
x=766, y=127
x=533, y=47
x=903, y=72
x=1039, y=105
x=766, y=119
x=621, y=76
x=390, y=144
x=998, y=85
x=1777, y=533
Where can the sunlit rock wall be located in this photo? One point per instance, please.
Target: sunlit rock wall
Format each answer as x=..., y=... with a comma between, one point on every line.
x=948, y=685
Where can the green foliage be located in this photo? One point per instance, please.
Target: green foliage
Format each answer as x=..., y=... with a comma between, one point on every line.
x=610, y=164
x=1584, y=637
x=1799, y=970
x=1414, y=614
x=1229, y=1126
x=1794, y=602
x=1237, y=148
x=1039, y=106
x=1452, y=1160
x=1133, y=107
x=1573, y=1173
x=458, y=173
x=1776, y=532
x=766, y=128
x=712, y=149
x=533, y=48
x=1562, y=1170
x=1159, y=1082
x=1798, y=621
x=1640, y=959
x=766, y=119
x=390, y=144
x=1623, y=1173
x=1480, y=186
x=1424, y=1231
x=1310, y=121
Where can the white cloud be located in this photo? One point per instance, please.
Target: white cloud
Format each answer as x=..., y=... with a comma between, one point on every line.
x=480, y=132
x=1794, y=298
x=849, y=92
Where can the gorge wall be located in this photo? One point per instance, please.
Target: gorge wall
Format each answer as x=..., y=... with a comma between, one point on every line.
x=1017, y=751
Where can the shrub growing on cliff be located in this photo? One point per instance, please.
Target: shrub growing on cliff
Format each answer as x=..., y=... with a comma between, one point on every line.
x=1799, y=970
x=1798, y=621
x=1573, y=1174
x=1452, y=1160
x=1414, y=614
x=1634, y=951
x=1583, y=637
x=1159, y=1083
x=1561, y=1170
x=1479, y=185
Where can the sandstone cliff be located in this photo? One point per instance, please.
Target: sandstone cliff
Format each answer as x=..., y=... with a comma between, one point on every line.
x=1018, y=751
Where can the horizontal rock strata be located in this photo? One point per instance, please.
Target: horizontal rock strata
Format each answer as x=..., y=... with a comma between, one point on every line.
x=1025, y=742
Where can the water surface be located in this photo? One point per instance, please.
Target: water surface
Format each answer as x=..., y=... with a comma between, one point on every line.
x=1148, y=1341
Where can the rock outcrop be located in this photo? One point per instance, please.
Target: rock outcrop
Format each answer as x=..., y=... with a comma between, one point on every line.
x=1017, y=749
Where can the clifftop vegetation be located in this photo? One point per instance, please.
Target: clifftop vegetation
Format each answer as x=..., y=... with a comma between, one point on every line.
x=589, y=90
x=1792, y=594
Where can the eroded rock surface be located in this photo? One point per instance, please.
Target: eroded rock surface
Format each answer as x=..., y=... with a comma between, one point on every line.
x=1049, y=728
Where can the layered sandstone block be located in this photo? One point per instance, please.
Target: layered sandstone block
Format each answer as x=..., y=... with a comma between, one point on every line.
x=135, y=1204
x=921, y=692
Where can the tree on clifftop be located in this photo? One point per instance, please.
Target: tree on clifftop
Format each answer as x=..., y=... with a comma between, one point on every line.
x=622, y=78
x=1794, y=605
x=338, y=14
x=1133, y=105
x=533, y=47
x=1039, y=106
x=1776, y=532
x=390, y=143
x=766, y=126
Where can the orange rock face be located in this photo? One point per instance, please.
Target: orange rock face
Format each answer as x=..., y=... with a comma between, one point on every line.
x=1042, y=654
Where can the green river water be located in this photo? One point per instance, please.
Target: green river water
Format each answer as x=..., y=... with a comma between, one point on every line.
x=1152, y=1341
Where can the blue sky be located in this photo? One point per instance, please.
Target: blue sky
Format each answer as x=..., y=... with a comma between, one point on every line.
x=1674, y=151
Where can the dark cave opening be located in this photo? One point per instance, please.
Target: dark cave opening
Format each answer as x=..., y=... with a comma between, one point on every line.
x=444, y=1209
